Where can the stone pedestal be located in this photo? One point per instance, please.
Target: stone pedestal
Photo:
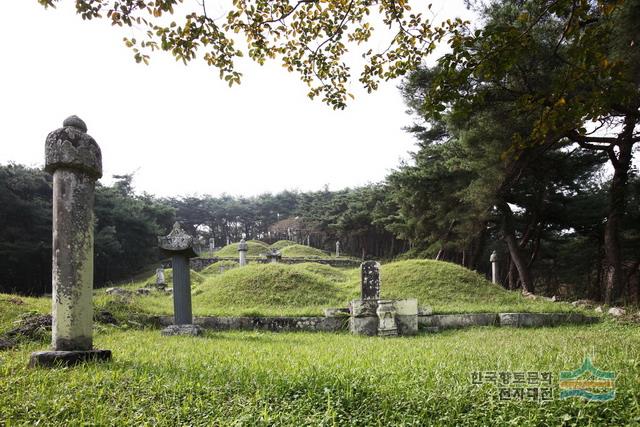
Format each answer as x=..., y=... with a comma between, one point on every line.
x=192, y=330
x=75, y=160
x=386, y=318
x=178, y=245
x=406, y=316
x=273, y=256
x=364, y=319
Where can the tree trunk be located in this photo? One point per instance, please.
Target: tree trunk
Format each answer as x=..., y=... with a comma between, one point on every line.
x=617, y=202
x=514, y=248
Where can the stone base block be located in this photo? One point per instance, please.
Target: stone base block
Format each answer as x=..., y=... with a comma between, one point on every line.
x=193, y=330
x=364, y=308
x=389, y=332
x=364, y=325
x=407, y=325
x=54, y=359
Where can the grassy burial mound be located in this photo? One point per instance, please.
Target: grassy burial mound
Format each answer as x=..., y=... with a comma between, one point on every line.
x=450, y=288
x=274, y=289
x=302, y=251
x=196, y=279
x=215, y=267
x=255, y=248
x=281, y=244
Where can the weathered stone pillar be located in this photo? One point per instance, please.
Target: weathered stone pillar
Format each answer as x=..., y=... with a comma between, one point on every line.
x=494, y=266
x=160, y=283
x=370, y=280
x=75, y=160
x=178, y=244
x=364, y=319
x=212, y=244
x=243, y=247
x=337, y=249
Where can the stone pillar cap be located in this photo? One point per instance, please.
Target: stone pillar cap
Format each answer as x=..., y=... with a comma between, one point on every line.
x=71, y=147
x=243, y=246
x=178, y=241
x=493, y=257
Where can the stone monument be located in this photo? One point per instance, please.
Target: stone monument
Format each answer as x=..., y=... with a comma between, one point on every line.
x=178, y=245
x=243, y=247
x=337, y=249
x=75, y=160
x=494, y=266
x=160, y=283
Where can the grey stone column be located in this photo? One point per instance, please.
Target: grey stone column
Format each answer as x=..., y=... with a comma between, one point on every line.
x=494, y=266
x=243, y=247
x=181, y=290
x=337, y=249
x=370, y=280
x=364, y=318
x=75, y=160
x=178, y=245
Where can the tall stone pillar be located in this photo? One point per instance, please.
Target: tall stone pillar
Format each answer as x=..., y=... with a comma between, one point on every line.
x=243, y=247
x=75, y=160
x=494, y=266
x=337, y=249
x=178, y=245
x=364, y=316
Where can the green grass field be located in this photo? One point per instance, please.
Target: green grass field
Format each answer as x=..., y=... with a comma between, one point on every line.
x=295, y=379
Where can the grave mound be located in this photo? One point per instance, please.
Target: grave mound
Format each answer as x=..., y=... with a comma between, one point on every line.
x=281, y=244
x=270, y=285
x=296, y=250
x=255, y=248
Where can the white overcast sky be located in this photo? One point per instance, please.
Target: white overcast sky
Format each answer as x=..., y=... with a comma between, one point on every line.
x=179, y=128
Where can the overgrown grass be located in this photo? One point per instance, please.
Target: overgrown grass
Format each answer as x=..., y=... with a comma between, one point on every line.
x=281, y=244
x=12, y=307
x=254, y=248
x=305, y=289
x=294, y=379
x=213, y=269
x=303, y=251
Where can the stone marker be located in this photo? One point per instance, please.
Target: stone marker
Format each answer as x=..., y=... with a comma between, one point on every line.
x=337, y=249
x=160, y=283
x=178, y=245
x=243, y=247
x=212, y=244
x=273, y=256
x=494, y=266
x=75, y=160
x=370, y=280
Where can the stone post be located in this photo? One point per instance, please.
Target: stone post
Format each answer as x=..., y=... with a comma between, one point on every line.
x=212, y=244
x=75, y=160
x=243, y=247
x=406, y=316
x=370, y=280
x=364, y=318
x=337, y=249
x=178, y=245
x=494, y=266
x=160, y=283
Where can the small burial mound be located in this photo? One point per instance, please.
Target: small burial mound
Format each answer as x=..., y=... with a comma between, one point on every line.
x=269, y=285
x=302, y=251
x=450, y=288
x=255, y=248
x=281, y=244
x=215, y=267
x=196, y=278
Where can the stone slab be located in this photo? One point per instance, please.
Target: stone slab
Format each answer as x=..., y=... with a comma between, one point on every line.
x=192, y=330
x=363, y=308
x=273, y=324
x=452, y=321
x=54, y=359
x=520, y=320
